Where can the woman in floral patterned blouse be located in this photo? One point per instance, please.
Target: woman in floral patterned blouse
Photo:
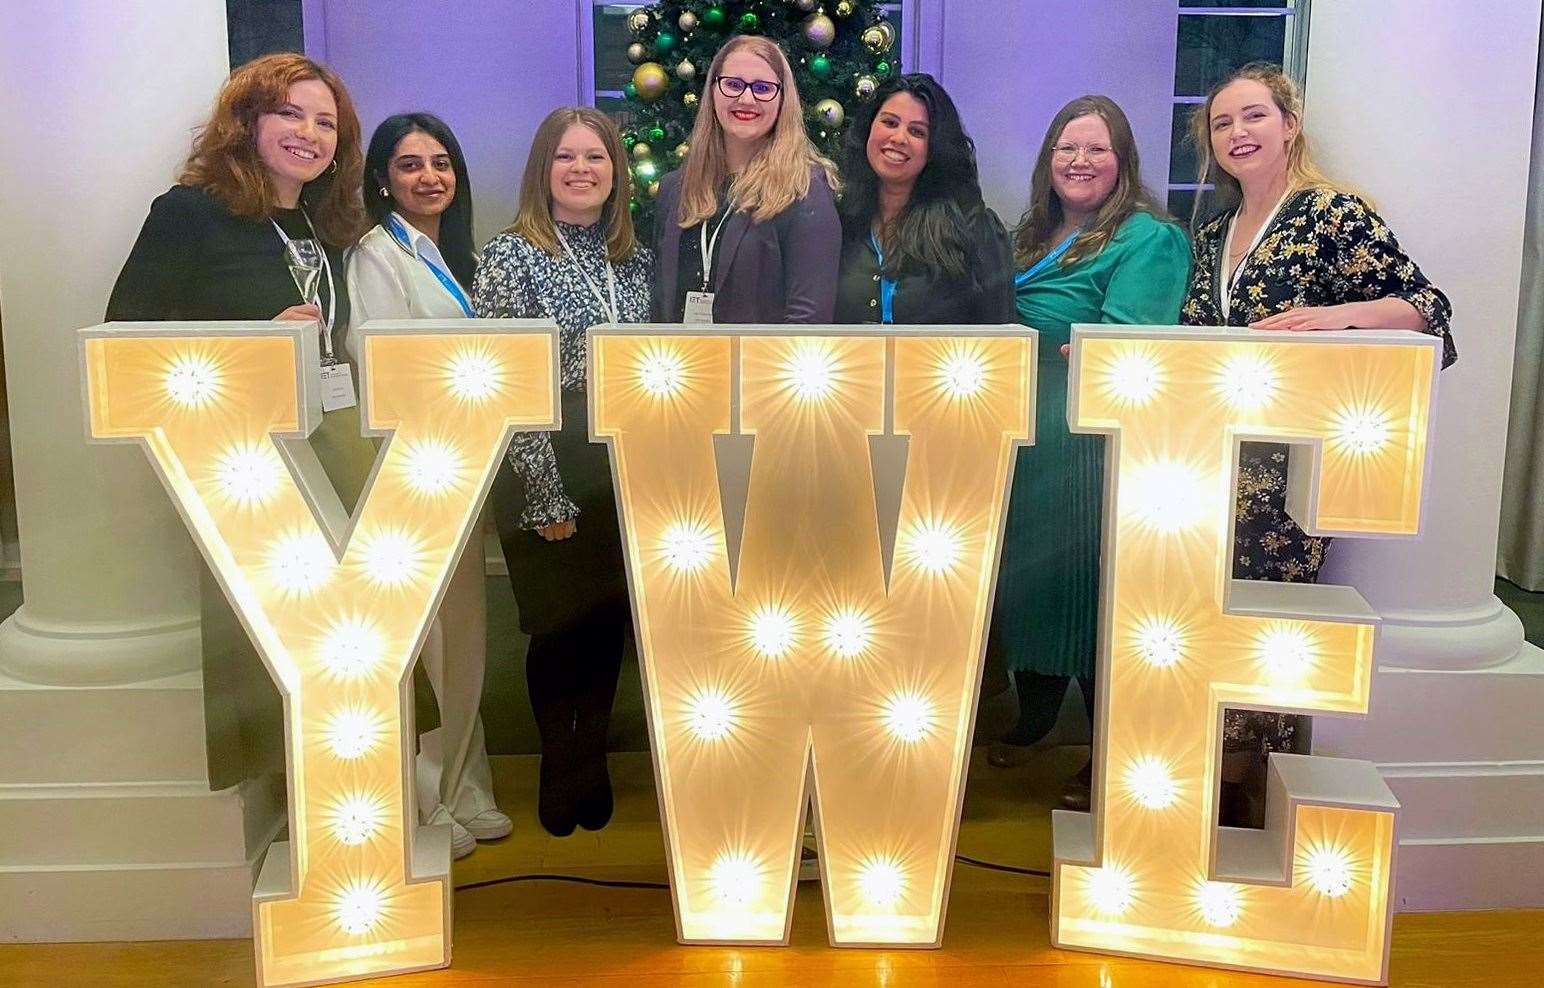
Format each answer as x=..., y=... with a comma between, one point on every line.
x=570, y=256
x=1294, y=253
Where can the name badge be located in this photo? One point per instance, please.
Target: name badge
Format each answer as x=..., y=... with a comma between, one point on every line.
x=699, y=309
x=337, y=388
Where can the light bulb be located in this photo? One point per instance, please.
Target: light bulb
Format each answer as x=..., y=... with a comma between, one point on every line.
x=351, y=648
x=908, y=716
x=963, y=375
x=1220, y=903
x=356, y=819
x=1286, y=650
x=1168, y=496
x=1110, y=889
x=352, y=732
x=1151, y=783
x=358, y=906
x=934, y=547
x=773, y=631
x=687, y=546
x=662, y=374
x=1247, y=381
x=711, y=715
x=1134, y=377
x=192, y=380
x=734, y=878
x=848, y=633
x=431, y=467
x=1329, y=871
x=882, y=881
x=474, y=376
x=812, y=371
x=1159, y=641
x=301, y=563
x=248, y=473
x=391, y=558
x=1361, y=429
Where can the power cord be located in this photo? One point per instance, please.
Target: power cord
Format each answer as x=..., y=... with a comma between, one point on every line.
x=620, y=884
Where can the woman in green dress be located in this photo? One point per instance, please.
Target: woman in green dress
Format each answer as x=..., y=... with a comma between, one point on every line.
x=1093, y=247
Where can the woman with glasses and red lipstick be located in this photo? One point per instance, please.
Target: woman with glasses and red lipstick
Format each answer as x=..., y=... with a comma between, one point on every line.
x=746, y=231
x=1093, y=247
x=919, y=246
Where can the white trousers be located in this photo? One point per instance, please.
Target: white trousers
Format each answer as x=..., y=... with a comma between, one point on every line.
x=452, y=765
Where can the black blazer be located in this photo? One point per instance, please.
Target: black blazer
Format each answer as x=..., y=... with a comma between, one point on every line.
x=782, y=270
x=985, y=298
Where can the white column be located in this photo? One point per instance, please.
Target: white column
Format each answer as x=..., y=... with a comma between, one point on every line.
x=1427, y=106
x=110, y=829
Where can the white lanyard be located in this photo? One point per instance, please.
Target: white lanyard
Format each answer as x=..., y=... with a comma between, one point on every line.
x=614, y=313
x=1227, y=281
x=709, y=245
x=332, y=294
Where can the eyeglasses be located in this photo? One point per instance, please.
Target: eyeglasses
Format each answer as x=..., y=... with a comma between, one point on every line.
x=1095, y=153
x=761, y=90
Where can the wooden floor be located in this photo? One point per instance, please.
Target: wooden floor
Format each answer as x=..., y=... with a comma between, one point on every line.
x=560, y=934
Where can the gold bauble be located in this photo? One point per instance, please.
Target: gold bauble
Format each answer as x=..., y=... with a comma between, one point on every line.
x=637, y=52
x=686, y=71
x=638, y=21
x=844, y=9
x=687, y=22
x=689, y=100
x=642, y=150
x=651, y=80
x=879, y=37
x=682, y=150
x=819, y=30
x=864, y=86
x=830, y=112
x=653, y=190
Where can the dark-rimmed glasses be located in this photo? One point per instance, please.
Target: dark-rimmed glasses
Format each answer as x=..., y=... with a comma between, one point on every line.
x=762, y=91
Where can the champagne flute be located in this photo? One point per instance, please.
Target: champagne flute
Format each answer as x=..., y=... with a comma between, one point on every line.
x=305, y=265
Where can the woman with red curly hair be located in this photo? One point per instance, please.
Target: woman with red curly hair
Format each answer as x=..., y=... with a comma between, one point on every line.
x=278, y=160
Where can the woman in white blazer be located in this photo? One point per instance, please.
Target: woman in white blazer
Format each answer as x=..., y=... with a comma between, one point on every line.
x=415, y=263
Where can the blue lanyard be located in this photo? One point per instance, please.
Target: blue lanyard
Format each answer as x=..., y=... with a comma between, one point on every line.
x=394, y=227
x=886, y=285
x=1023, y=277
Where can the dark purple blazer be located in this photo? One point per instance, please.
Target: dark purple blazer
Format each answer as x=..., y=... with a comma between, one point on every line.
x=782, y=270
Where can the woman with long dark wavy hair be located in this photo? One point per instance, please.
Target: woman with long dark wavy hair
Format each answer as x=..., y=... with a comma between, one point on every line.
x=919, y=244
x=1093, y=246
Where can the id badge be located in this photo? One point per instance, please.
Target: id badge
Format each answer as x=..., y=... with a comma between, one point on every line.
x=337, y=388
x=699, y=309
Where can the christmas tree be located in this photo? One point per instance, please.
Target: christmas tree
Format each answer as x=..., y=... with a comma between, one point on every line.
x=840, y=52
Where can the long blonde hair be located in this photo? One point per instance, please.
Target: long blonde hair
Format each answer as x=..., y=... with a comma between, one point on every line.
x=534, y=219
x=1302, y=172
x=778, y=176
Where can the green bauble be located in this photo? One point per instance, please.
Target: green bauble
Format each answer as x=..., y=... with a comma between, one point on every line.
x=830, y=113
x=656, y=133
x=750, y=22
x=630, y=91
x=664, y=41
x=881, y=68
x=629, y=139
x=632, y=206
x=820, y=67
x=714, y=19
x=651, y=81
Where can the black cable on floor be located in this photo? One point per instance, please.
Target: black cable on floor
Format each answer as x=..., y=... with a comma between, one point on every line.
x=619, y=884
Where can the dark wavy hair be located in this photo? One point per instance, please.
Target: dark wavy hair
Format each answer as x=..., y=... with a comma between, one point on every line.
x=456, y=222
x=932, y=234
x=225, y=163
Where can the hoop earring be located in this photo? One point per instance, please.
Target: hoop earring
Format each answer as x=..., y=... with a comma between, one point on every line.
x=332, y=169
x=385, y=194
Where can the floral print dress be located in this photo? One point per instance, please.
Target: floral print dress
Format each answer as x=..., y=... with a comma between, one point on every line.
x=1323, y=247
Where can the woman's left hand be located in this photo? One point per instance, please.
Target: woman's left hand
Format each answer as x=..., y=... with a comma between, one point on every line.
x=1311, y=317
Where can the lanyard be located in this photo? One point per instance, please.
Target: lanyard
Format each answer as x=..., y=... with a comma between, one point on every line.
x=886, y=285
x=613, y=314
x=709, y=245
x=1225, y=296
x=399, y=234
x=1023, y=277
x=332, y=294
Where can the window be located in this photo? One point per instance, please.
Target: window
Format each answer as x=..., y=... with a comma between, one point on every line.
x=1215, y=38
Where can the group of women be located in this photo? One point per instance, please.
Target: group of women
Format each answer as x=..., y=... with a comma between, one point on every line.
x=758, y=227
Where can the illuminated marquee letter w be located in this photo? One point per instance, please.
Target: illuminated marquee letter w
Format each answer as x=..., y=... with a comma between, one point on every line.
x=1150, y=873
x=337, y=608
x=812, y=529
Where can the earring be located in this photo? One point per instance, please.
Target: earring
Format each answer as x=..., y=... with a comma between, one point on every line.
x=385, y=194
x=332, y=169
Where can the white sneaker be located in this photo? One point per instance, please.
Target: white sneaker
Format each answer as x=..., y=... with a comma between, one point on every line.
x=462, y=843
x=490, y=824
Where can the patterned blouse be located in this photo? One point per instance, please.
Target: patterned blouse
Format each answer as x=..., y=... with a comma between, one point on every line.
x=518, y=280
x=1322, y=248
